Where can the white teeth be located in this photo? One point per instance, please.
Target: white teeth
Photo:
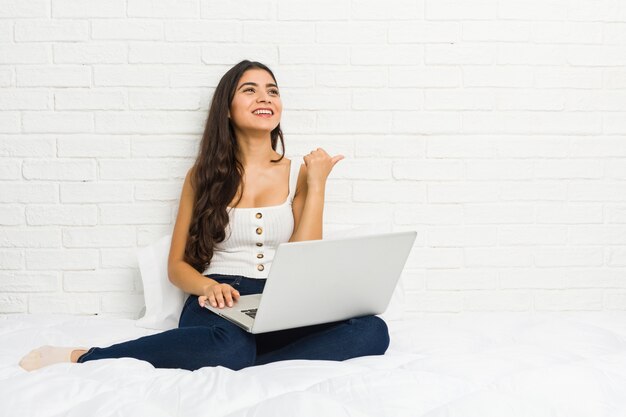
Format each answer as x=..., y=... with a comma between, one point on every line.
x=262, y=112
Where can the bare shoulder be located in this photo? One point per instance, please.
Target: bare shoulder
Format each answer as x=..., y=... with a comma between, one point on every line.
x=183, y=220
x=190, y=178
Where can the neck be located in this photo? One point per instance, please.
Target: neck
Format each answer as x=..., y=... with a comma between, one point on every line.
x=255, y=149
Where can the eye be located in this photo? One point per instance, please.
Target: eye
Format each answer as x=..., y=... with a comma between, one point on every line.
x=249, y=89
x=274, y=91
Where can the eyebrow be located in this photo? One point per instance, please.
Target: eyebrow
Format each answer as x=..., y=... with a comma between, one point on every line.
x=256, y=85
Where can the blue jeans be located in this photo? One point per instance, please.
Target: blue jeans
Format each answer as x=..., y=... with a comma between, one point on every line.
x=205, y=339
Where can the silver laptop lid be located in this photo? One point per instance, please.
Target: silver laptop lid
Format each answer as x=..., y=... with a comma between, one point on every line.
x=321, y=281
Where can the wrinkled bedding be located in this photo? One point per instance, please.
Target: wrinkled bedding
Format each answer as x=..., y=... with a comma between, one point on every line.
x=496, y=364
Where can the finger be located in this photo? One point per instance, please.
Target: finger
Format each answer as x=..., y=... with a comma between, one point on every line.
x=219, y=298
x=228, y=299
x=235, y=295
x=337, y=158
x=202, y=300
x=212, y=300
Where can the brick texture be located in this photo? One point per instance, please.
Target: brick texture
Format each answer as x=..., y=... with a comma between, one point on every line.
x=496, y=129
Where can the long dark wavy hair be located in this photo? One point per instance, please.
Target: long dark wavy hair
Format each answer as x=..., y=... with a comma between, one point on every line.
x=217, y=172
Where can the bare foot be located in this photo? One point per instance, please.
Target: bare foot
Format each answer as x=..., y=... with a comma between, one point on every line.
x=47, y=355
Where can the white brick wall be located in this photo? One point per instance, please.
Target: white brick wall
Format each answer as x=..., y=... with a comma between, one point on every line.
x=496, y=129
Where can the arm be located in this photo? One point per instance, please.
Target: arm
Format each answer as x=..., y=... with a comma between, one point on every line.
x=308, y=210
x=180, y=273
x=308, y=202
x=183, y=275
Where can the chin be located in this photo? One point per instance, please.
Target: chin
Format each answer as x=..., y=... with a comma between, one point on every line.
x=258, y=129
x=267, y=125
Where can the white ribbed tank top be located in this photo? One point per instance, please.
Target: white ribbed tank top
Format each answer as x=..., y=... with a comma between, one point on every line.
x=252, y=235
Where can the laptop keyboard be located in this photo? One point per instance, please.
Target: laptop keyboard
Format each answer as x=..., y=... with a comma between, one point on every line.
x=251, y=312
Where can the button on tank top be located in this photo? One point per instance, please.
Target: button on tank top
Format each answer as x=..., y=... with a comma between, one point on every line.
x=252, y=236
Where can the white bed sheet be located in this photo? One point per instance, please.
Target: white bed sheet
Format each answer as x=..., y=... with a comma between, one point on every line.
x=472, y=364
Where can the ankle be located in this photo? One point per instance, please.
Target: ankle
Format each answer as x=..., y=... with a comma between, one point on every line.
x=77, y=354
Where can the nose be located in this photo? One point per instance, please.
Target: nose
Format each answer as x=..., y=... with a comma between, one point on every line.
x=263, y=96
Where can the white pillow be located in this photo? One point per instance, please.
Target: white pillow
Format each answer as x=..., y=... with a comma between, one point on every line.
x=164, y=300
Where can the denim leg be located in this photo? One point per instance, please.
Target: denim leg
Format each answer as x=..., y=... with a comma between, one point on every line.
x=338, y=341
x=188, y=348
x=202, y=339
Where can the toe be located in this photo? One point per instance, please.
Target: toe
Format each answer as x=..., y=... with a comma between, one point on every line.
x=30, y=361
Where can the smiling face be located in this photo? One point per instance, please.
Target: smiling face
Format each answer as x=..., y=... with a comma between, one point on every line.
x=256, y=105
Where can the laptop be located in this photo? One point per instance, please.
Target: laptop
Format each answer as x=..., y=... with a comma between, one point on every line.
x=322, y=281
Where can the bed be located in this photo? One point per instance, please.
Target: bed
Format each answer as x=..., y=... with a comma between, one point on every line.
x=487, y=364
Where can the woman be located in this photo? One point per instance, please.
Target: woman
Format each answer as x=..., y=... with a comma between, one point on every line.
x=233, y=213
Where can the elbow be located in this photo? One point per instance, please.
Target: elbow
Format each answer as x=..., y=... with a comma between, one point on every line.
x=301, y=238
x=171, y=271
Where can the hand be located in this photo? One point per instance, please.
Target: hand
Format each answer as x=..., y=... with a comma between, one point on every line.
x=219, y=295
x=319, y=164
